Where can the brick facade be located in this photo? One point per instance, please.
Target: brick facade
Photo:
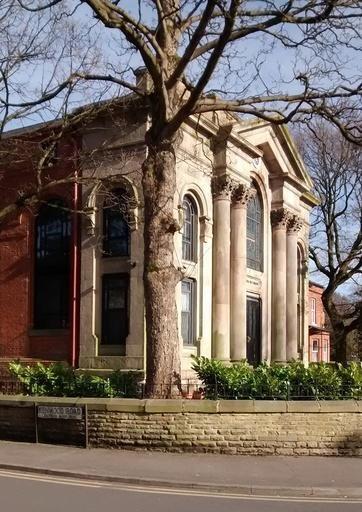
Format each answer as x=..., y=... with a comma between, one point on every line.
x=18, y=339
x=319, y=336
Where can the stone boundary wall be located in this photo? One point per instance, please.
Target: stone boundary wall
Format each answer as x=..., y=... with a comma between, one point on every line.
x=226, y=426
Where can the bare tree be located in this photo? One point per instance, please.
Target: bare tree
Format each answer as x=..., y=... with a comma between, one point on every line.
x=336, y=229
x=272, y=60
x=34, y=46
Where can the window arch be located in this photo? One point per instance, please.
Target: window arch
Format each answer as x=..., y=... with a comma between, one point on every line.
x=254, y=232
x=189, y=231
x=52, y=266
x=116, y=232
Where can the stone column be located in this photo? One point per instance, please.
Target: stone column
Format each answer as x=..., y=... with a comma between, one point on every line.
x=221, y=188
x=293, y=227
x=241, y=196
x=279, y=220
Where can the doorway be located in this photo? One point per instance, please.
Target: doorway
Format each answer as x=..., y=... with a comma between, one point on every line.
x=253, y=331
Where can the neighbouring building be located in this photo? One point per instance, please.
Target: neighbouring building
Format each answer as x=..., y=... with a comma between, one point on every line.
x=71, y=283
x=319, y=335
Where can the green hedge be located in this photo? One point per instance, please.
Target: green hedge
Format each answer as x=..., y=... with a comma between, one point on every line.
x=279, y=382
x=238, y=381
x=60, y=380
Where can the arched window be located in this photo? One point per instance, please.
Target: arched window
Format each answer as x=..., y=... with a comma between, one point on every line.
x=52, y=267
x=116, y=233
x=254, y=232
x=189, y=232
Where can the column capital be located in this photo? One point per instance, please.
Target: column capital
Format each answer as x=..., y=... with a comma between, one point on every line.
x=242, y=194
x=280, y=218
x=295, y=224
x=222, y=186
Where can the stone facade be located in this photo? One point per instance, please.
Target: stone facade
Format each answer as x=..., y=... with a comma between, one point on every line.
x=220, y=168
x=231, y=427
x=244, y=292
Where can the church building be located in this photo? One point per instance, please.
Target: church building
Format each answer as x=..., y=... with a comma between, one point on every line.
x=71, y=265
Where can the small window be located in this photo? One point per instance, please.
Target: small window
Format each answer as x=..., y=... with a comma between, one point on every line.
x=115, y=291
x=116, y=232
x=52, y=267
x=313, y=311
x=188, y=328
x=315, y=346
x=254, y=233
x=189, y=231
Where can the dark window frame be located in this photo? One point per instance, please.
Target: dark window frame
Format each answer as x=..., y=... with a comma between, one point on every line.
x=111, y=215
x=189, y=229
x=315, y=342
x=190, y=339
x=255, y=232
x=52, y=266
x=105, y=312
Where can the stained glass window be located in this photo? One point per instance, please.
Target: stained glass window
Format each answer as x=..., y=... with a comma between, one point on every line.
x=188, y=311
x=52, y=267
x=189, y=232
x=254, y=233
x=116, y=233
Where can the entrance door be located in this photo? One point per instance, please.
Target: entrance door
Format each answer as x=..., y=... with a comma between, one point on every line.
x=253, y=330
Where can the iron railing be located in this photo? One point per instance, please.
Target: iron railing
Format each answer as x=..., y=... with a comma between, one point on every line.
x=191, y=389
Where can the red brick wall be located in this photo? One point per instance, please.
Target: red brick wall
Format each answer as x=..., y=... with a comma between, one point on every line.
x=316, y=330
x=17, y=264
x=316, y=293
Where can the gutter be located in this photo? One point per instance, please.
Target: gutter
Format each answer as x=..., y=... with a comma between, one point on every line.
x=75, y=296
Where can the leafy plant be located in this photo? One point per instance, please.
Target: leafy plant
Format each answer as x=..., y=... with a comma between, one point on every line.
x=291, y=381
x=60, y=380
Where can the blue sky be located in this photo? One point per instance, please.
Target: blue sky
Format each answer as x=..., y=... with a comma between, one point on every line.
x=258, y=63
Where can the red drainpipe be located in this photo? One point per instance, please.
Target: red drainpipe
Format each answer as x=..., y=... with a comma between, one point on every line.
x=74, y=347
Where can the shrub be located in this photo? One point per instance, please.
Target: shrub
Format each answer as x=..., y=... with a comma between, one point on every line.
x=278, y=382
x=60, y=380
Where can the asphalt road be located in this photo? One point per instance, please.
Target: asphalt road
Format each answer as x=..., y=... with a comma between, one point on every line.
x=38, y=493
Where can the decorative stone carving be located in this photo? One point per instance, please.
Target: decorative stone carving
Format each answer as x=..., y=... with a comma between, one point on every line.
x=222, y=186
x=205, y=228
x=280, y=218
x=89, y=220
x=242, y=194
x=295, y=224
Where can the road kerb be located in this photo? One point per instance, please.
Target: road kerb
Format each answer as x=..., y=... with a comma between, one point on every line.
x=212, y=487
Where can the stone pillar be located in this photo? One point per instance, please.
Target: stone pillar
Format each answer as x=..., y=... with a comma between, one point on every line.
x=221, y=188
x=241, y=196
x=293, y=227
x=279, y=220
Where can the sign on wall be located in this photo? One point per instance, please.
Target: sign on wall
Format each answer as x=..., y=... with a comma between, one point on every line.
x=63, y=413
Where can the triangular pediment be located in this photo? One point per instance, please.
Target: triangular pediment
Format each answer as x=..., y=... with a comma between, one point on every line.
x=280, y=153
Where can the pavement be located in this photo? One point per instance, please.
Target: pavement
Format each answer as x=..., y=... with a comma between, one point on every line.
x=331, y=477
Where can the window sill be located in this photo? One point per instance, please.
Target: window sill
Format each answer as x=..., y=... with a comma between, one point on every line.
x=112, y=350
x=48, y=332
x=190, y=347
x=126, y=259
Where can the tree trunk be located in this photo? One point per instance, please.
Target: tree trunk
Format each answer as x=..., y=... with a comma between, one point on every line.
x=160, y=274
x=338, y=334
x=340, y=346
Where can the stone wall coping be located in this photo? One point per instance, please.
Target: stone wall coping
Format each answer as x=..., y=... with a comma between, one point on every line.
x=188, y=406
